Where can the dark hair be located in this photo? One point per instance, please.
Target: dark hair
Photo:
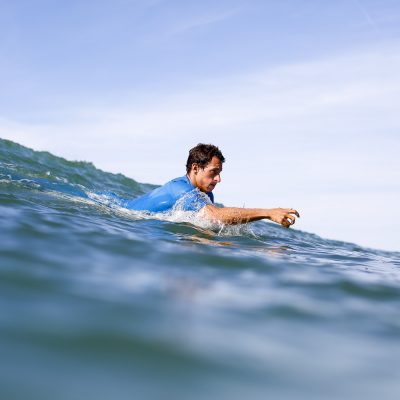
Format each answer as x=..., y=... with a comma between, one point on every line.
x=202, y=154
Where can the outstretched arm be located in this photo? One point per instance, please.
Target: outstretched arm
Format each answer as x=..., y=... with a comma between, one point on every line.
x=233, y=215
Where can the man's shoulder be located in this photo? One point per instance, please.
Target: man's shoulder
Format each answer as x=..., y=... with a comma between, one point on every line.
x=181, y=179
x=178, y=187
x=180, y=184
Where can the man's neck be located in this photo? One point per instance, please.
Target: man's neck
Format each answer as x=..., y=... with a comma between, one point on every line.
x=191, y=178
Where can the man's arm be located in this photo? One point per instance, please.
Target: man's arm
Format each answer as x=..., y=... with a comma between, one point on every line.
x=233, y=215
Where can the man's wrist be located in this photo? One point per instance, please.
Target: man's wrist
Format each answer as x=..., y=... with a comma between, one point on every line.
x=267, y=213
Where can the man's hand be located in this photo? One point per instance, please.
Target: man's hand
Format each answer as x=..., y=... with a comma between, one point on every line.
x=283, y=216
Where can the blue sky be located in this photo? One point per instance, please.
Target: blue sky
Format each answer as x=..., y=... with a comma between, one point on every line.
x=301, y=96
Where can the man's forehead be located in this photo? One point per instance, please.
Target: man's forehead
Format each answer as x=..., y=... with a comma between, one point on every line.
x=215, y=163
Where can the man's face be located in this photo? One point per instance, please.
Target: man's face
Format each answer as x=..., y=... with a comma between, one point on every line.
x=206, y=179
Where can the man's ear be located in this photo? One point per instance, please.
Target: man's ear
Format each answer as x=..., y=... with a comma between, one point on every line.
x=195, y=168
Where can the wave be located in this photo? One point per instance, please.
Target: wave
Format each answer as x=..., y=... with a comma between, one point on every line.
x=94, y=292
x=81, y=181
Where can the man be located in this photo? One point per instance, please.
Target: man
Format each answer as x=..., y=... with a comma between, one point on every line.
x=193, y=192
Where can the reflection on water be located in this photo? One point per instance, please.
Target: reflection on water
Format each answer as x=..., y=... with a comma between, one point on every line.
x=204, y=240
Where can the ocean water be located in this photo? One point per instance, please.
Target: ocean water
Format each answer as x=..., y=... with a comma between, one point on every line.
x=99, y=302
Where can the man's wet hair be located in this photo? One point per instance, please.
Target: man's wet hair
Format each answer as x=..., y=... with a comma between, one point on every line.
x=202, y=154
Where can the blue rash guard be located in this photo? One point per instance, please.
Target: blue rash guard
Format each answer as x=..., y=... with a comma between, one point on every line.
x=164, y=198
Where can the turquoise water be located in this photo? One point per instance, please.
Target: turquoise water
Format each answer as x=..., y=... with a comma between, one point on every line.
x=98, y=302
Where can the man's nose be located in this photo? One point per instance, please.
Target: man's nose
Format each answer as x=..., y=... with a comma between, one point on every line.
x=218, y=178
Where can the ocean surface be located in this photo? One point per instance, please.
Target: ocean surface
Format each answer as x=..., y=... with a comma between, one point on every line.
x=99, y=302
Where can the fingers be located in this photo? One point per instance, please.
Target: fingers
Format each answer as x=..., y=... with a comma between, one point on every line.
x=286, y=216
x=289, y=219
x=292, y=211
